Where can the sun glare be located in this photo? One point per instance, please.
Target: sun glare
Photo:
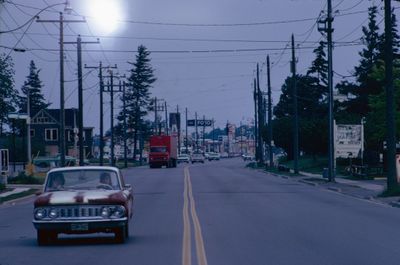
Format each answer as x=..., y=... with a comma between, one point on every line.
x=106, y=14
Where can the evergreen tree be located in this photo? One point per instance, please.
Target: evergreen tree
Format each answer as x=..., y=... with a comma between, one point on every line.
x=33, y=84
x=137, y=96
x=8, y=94
x=369, y=58
x=395, y=39
x=312, y=115
x=319, y=67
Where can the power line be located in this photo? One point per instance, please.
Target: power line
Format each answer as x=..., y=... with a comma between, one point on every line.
x=197, y=51
x=29, y=22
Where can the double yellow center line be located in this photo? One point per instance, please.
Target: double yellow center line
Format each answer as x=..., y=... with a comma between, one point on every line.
x=189, y=203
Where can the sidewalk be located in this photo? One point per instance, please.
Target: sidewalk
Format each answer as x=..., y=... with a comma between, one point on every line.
x=364, y=184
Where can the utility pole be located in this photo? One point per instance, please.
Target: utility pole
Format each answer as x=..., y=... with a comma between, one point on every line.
x=392, y=183
x=260, y=118
x=79, y=43
x=255, y=120
x=166, y=118
x=241, y=139
x=195, y=120
x=331, y=165
x=295, y=113
x=204, y=133
x=61, y=22
x=125, y=127
x=213, y=135
x=186, y=131
x=271, y=156
x=155, y=116
x=111, y=91
x=101, y=82
x=28, y=129
x=178, y=116
x=227, y=136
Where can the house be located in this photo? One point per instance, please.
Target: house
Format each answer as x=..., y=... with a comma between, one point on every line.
x=45, y=128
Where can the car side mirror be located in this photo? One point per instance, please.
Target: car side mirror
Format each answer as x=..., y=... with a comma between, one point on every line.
x=127, y=186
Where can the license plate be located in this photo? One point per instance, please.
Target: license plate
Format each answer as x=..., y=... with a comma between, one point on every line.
x=80, y=227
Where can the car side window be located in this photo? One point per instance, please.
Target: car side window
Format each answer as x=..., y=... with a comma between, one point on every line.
x=121, y=177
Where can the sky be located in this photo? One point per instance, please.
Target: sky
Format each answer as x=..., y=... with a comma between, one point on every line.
x=204, y=53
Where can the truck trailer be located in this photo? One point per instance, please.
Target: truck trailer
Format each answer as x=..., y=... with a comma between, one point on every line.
x=163, y=151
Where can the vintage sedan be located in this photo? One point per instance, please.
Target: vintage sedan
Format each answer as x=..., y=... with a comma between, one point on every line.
x=80, y=200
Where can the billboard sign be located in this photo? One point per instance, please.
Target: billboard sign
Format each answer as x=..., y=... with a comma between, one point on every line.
x=349, y=140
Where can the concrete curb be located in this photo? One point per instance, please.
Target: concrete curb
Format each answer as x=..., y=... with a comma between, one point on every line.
x=308, y=182
x=394, y=204
x=335, y=189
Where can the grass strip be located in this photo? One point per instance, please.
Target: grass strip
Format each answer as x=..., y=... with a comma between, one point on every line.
x=17, y=195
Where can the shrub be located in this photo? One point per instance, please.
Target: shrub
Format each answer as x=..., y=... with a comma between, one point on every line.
x=22, y=178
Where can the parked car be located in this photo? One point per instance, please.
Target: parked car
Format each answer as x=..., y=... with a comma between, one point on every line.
x=214, y=156
x=183, y=158
x=80, y=200
x=224, y=155
x=197, y=157
x=248, y=157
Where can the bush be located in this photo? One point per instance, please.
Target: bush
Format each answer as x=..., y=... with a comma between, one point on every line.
x=2, y=187
x=22, y=178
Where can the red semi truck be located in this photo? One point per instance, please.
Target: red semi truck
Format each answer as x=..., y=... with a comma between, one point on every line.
x=163, y=151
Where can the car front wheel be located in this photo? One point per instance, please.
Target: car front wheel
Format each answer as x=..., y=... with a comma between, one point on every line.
x=45, y=237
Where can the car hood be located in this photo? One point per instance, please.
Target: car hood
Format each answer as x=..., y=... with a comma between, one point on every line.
x=81, y=197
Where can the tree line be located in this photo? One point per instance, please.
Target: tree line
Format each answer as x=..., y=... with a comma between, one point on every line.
x=137, y=97
x=365, y=93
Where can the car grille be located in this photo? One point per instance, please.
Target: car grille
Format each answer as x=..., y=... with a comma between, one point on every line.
x=79, y=212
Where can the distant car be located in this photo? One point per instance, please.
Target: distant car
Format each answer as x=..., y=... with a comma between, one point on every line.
x=197, y=158
x=248, y=157
x=81, y=200
x=214, y=156
x=224, y=155
x=183, y=158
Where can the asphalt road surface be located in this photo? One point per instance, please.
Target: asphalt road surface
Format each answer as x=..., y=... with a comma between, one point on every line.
x=220, y=213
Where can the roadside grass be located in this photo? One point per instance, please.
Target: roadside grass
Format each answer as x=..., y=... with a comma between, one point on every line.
x=17, y=195
x=309, y=164
x=390, y=193
x=22, y=178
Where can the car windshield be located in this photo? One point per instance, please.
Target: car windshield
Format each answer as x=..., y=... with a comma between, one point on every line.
x=82, y=180
x=158, y=149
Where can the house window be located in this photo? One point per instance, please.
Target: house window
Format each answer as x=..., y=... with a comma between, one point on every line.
x=32, y=132
x=51, y=134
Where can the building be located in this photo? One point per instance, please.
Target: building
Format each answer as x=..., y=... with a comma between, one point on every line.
x=45, y=128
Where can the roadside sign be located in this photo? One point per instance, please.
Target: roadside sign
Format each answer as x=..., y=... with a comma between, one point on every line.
x=18, y=116
x=200, y=123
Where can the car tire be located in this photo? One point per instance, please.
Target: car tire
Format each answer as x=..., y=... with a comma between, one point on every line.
x=121, y=234
x=45, y=237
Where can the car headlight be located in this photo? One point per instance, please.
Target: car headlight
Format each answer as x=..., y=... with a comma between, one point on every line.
x=40, y=213
x=119, y=211
x=53, y=213
x=105, y=212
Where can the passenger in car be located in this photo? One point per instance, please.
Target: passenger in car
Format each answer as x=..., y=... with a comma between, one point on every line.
x=105, y=178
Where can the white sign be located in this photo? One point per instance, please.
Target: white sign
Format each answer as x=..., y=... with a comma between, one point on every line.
x=349, y=140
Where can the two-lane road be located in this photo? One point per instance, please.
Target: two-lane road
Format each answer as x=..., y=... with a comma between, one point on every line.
x=221, y=213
